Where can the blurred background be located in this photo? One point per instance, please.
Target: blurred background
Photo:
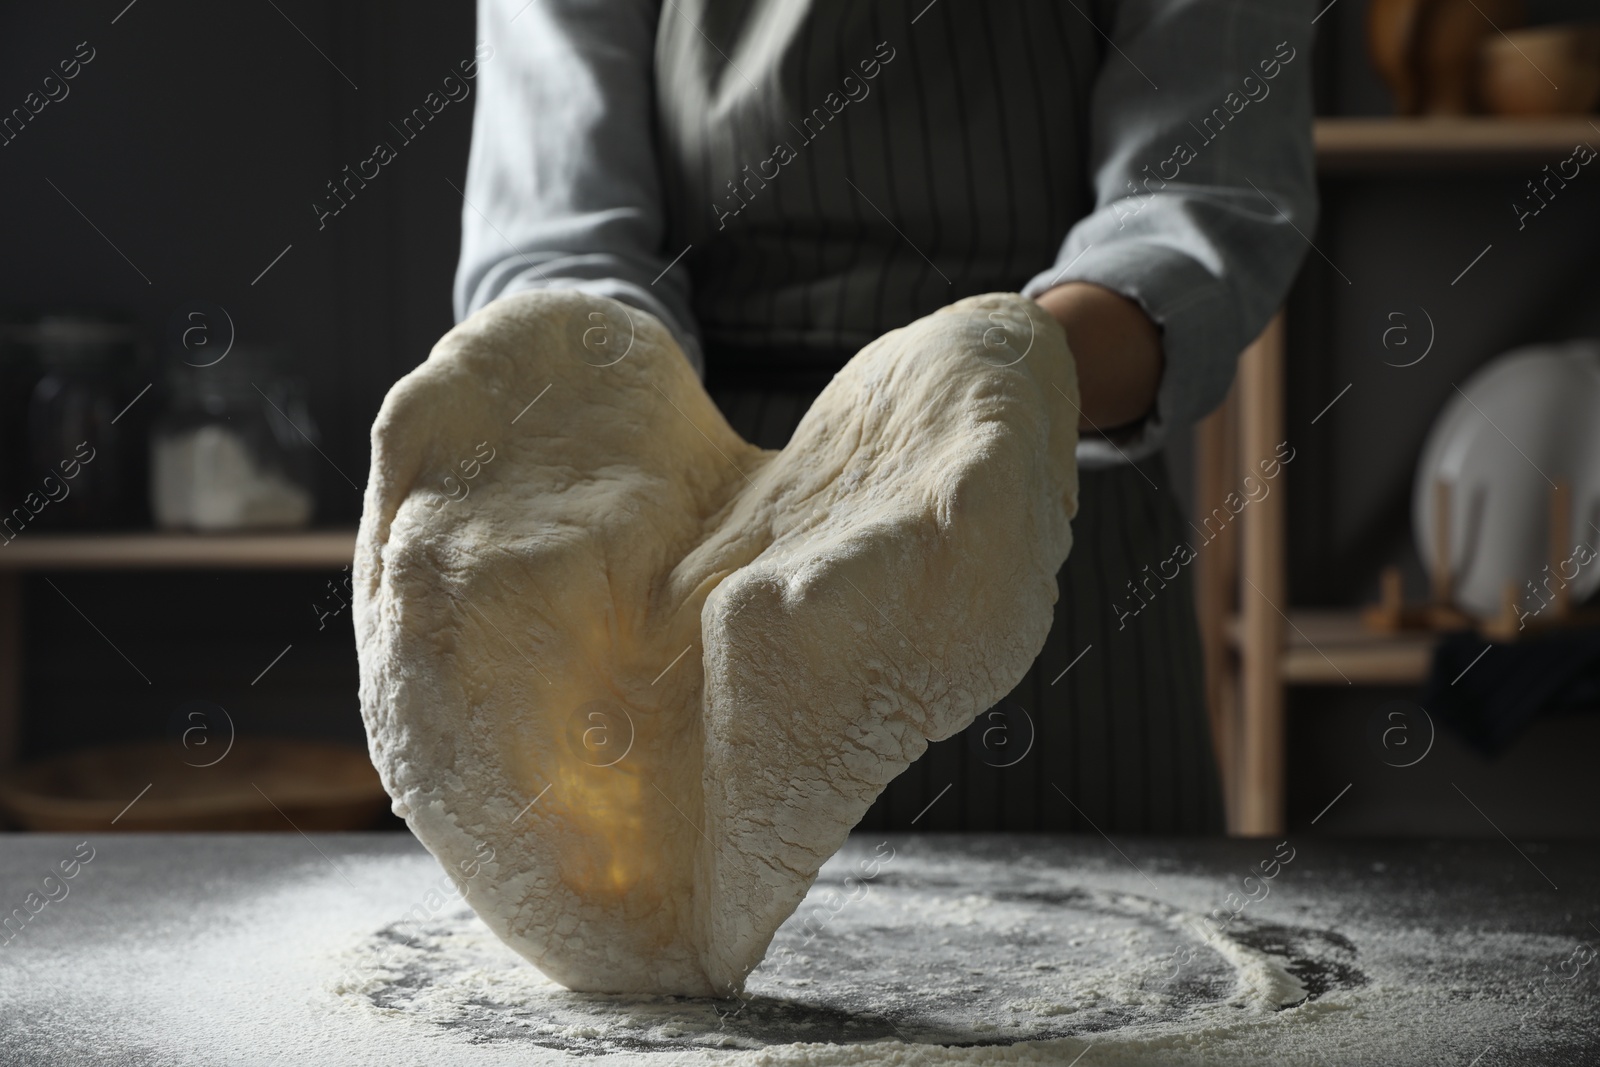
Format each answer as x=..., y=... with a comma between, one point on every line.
x=196, y=337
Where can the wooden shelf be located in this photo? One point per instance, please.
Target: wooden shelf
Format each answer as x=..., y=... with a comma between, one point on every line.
x=1388, y=144
x=1331, y=647
x=1252, y=655
x=118, y=551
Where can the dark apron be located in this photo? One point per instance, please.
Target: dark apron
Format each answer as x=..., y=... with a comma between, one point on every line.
x=1108, y=729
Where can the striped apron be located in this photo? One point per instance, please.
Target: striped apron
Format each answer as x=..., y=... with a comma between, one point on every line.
x=832, y=183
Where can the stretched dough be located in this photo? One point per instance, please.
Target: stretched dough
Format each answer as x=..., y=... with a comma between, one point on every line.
x=638, y=680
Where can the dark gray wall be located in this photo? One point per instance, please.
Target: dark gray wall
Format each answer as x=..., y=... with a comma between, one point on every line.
x=196, y=141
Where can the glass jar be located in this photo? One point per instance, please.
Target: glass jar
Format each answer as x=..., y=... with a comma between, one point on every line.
x=83, y=464
x=232, y=449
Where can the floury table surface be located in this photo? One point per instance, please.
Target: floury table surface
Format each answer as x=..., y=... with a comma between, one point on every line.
x=264, y=949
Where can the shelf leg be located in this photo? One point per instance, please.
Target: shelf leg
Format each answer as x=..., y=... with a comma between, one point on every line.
x=1264, y=595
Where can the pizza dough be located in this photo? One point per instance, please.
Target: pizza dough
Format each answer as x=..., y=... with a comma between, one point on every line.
x=631, y=679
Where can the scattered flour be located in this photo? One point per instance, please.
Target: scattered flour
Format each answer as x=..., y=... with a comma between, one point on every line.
x=949, y=958
x=920, y=972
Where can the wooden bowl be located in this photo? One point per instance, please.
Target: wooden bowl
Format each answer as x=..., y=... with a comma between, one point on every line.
x=1392, y=29
x=1552, y=70
x=1427, y=51
x=261, y=784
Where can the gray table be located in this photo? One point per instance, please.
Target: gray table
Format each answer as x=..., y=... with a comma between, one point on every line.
x=350, y=949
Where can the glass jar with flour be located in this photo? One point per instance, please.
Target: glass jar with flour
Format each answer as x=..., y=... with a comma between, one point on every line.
x=233, y=448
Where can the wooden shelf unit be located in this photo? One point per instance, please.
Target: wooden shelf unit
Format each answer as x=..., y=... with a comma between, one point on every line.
x=1254, y=642
x=309, y=550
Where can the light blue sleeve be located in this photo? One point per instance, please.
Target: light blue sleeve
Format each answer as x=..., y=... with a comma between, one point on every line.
x=563, y=185
x=1205, y=186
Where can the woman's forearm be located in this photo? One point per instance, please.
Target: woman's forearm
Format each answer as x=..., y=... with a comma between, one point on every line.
x=1117, y=350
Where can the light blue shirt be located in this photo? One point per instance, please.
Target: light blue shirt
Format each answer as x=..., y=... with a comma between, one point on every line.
x=1159, y=148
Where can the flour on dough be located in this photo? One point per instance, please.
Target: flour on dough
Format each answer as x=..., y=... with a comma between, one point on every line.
x=637, y=682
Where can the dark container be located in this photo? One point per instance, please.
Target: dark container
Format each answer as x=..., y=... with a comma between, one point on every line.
x=84, y=453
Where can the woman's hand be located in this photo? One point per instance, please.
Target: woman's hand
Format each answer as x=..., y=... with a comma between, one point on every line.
x=1117, y=350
